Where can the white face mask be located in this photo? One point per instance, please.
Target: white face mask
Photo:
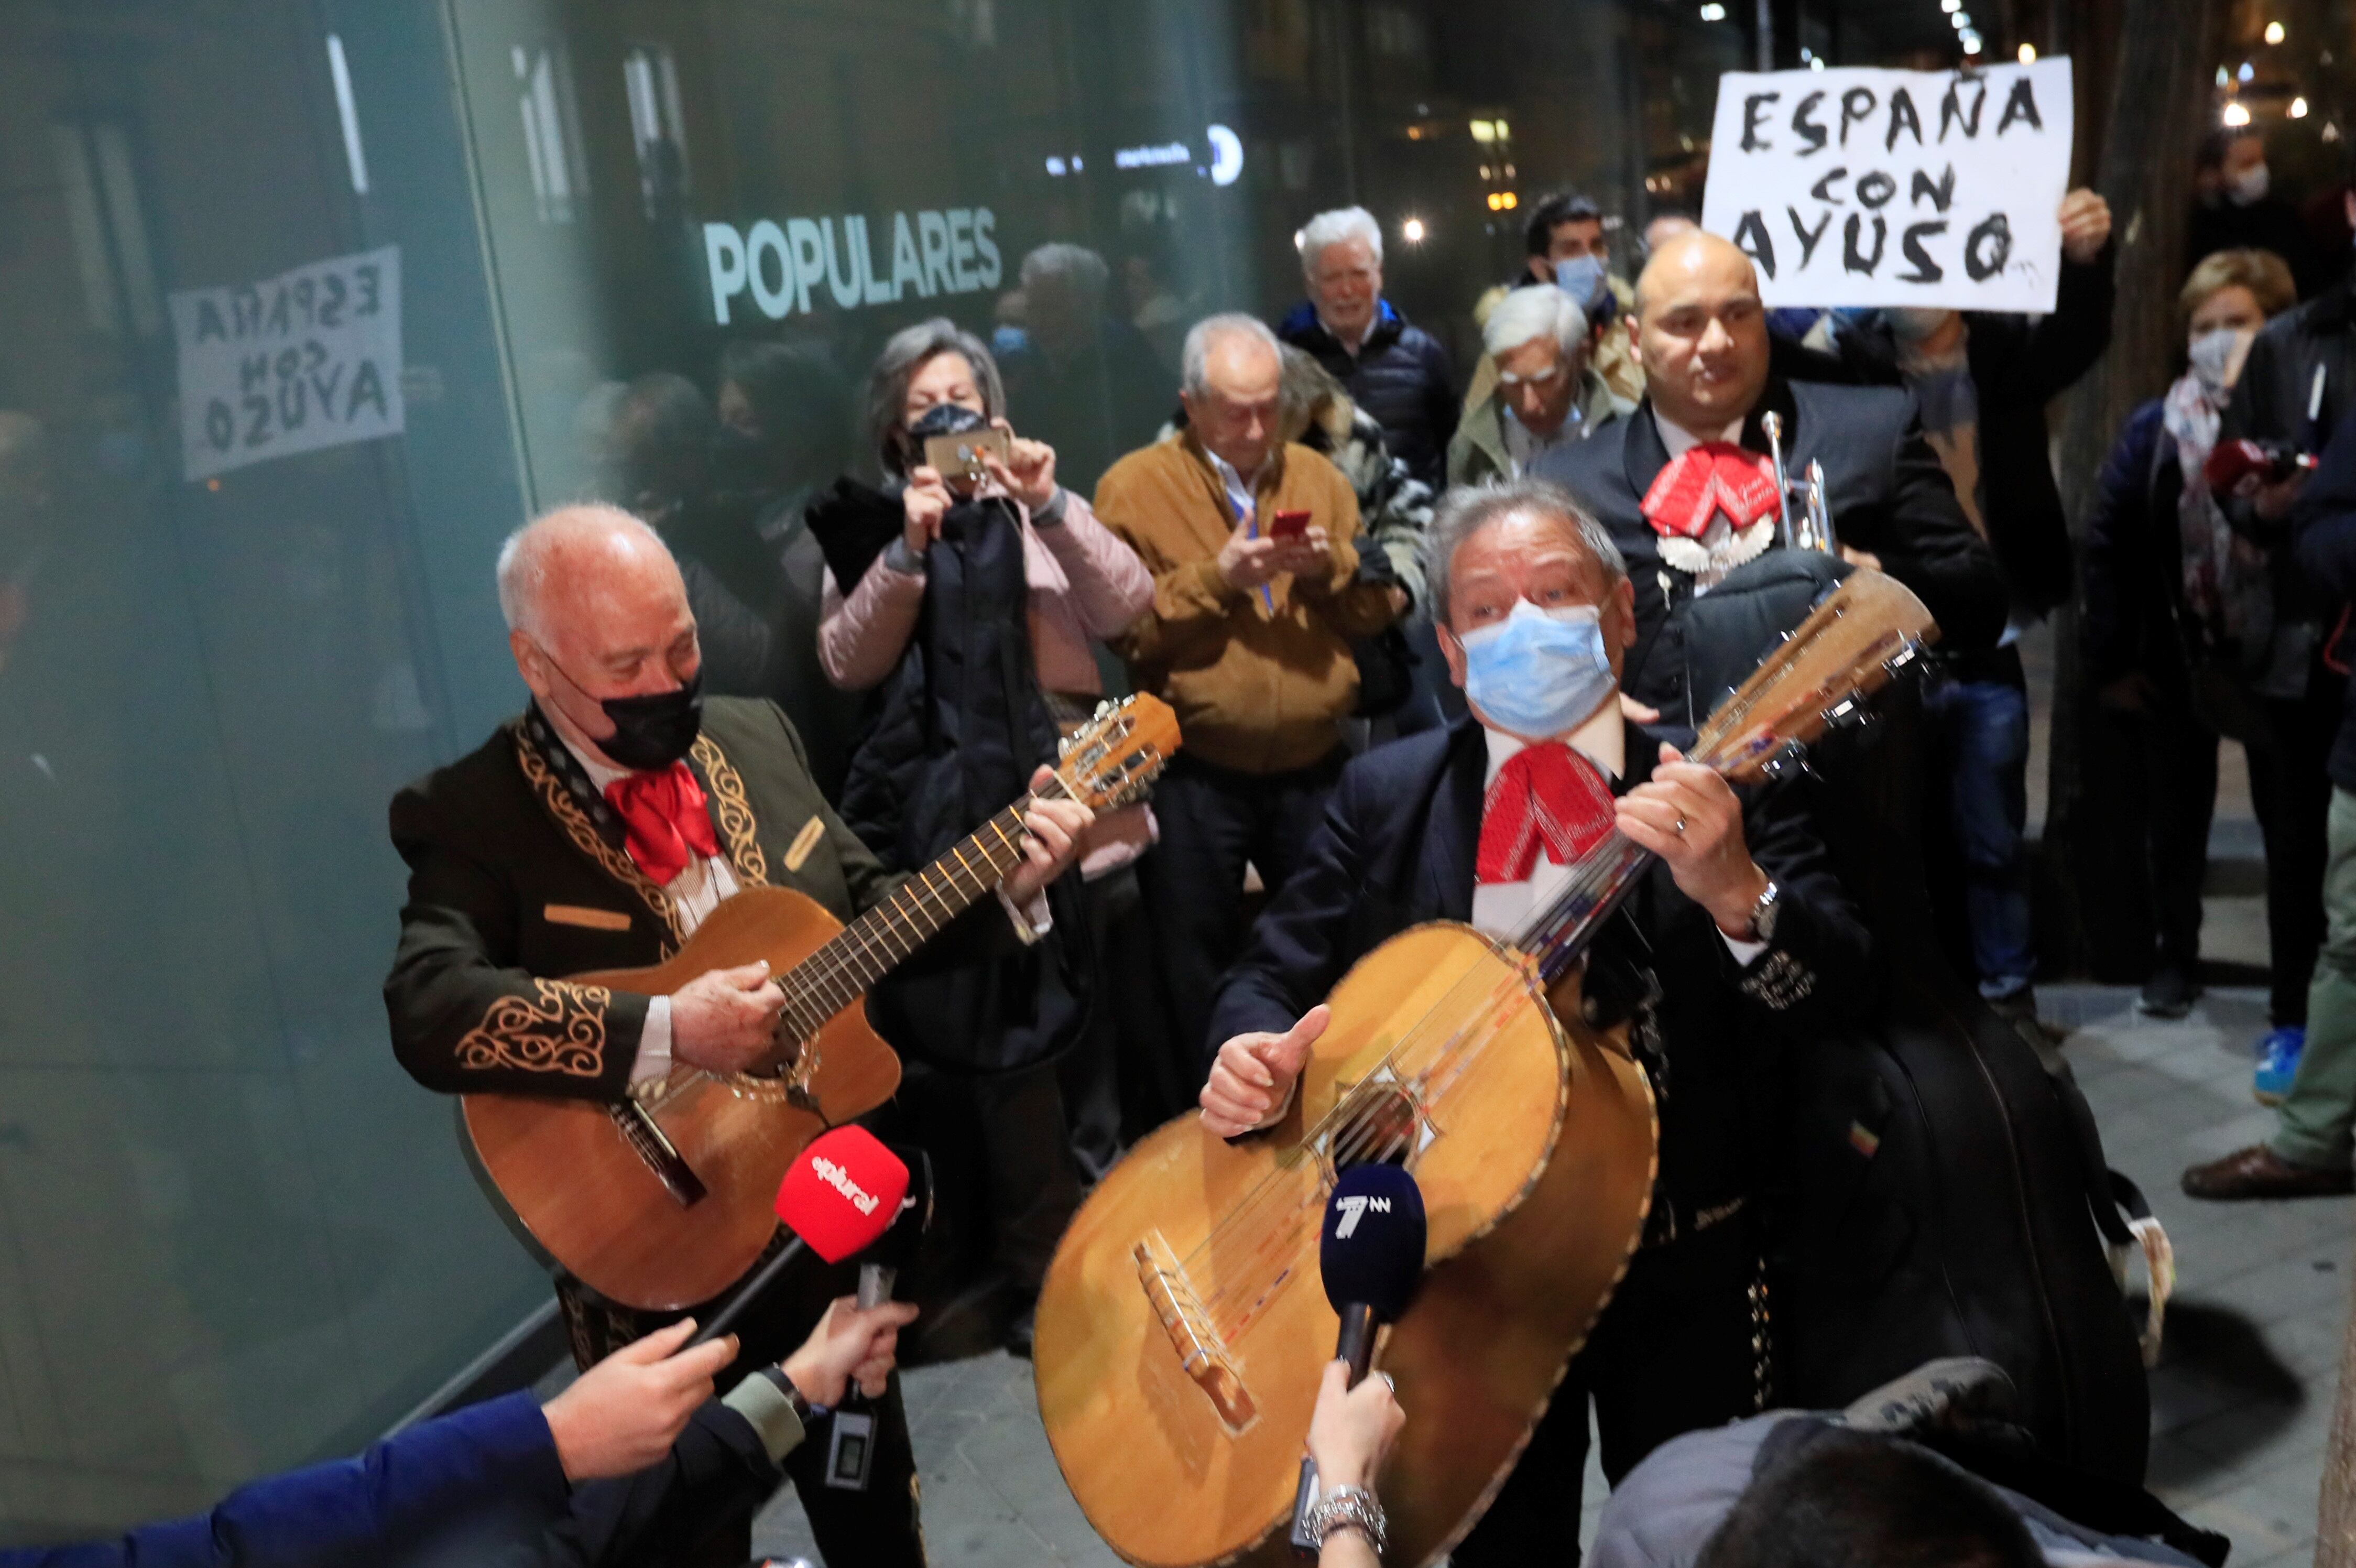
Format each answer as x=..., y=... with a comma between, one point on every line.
x=2213, y=355
x=2250, y=185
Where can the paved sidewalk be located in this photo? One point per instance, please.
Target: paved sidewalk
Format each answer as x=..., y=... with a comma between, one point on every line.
x=2242, y=1401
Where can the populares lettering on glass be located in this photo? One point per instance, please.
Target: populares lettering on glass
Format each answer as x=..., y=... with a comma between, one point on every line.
x=800, y=265
x=1858, y=186
x=293, y=363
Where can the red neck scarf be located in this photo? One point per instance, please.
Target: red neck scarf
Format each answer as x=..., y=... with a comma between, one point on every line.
x=1545, y=795
x=1713, y=478
x=667, y=822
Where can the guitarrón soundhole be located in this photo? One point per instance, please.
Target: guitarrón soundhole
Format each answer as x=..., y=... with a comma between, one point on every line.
x=1380, y=1130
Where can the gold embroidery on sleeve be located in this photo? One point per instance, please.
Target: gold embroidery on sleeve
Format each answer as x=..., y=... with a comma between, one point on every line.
x=577, y=827
x=563, y=1031
x=734, y=813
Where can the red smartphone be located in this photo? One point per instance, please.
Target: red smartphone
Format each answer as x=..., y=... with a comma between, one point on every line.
x=1289, y=524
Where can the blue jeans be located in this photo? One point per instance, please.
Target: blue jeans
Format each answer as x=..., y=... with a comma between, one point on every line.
x=1983, y=732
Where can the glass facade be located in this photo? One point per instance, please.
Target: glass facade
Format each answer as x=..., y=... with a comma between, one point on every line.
x=305, y=304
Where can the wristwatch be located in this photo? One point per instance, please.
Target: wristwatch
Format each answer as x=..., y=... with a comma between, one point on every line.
x=1763, y=913
x=803, y=1411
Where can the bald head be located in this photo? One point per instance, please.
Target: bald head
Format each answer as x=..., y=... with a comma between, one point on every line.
x=596, y=610
x=1701, y=333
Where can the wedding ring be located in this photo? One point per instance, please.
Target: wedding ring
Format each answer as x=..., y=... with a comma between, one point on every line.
x=1681, y=825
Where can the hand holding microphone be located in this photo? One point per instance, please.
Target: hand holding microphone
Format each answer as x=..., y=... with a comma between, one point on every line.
x=1371, y=1256
x=851, y=1344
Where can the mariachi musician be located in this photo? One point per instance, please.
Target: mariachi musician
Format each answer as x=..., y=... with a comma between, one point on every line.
x=596, y=831
x=1685, y=487
x=1738, y=934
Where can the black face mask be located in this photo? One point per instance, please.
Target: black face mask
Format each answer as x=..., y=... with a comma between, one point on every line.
x=653, y=730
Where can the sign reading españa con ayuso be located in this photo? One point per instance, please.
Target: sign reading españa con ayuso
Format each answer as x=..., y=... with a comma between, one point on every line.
x=1861, y=186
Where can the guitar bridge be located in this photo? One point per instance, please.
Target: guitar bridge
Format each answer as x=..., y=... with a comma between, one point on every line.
x=651, y=1144
x=1200, y=1350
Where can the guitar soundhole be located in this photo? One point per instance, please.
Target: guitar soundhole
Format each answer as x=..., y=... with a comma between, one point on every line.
x=1379, y=1130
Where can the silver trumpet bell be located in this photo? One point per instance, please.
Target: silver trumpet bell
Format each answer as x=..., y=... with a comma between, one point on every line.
x=1813, y=528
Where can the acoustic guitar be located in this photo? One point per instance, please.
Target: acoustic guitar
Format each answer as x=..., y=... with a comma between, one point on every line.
x=1181, y=1329
x=664, y=1198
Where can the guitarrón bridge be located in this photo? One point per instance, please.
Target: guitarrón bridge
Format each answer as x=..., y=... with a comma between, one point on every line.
x=1200, y=1350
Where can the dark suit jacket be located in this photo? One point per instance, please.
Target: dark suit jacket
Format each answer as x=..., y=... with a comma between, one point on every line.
x=1885, y=489
x=1398, y=849
x=517, y=879
x=480, y=1487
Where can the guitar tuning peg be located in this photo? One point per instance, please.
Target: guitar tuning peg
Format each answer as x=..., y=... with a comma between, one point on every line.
x=1104, y=710
x=1064, y=747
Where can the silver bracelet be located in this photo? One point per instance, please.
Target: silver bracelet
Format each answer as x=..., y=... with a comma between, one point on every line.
x=1347, y=1508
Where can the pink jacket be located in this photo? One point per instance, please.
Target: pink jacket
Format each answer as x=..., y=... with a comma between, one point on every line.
x=1086, y=586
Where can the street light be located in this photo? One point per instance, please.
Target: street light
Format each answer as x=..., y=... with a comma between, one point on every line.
x=2273, y=32
x=2029, y=54
x=1412, y=231
x=2298, y=108
x=2235, y=114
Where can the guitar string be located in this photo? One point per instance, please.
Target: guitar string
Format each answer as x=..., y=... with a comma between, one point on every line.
x=1357, y=1122
x=862, y=951
x=1570, y=918
x=1360, y=1109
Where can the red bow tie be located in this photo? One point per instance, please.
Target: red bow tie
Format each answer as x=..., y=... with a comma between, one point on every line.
x=1545, y=794
x=1715, y=477
x=666, y=820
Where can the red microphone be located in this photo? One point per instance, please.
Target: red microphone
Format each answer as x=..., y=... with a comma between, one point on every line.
x=838, y=1199
x=843, y=1193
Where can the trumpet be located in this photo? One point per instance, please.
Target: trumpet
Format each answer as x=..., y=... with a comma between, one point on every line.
x=1813, y=529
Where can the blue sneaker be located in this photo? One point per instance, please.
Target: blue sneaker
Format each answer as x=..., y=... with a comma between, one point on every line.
x=2278, y=1064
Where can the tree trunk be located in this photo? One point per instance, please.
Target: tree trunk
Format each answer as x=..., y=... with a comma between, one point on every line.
x=2156, y=118
x=2335, y=1527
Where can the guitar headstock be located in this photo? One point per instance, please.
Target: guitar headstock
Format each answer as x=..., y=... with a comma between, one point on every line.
x=1112, y=761
x=1853, y=643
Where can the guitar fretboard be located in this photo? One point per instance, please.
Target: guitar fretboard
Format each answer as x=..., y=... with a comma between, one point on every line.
x=862, y=953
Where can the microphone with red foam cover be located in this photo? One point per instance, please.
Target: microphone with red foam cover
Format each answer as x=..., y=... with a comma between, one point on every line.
x=843, y=1193
x=838, y=1198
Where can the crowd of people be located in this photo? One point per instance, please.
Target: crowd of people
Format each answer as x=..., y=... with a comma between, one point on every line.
x=1428, y=637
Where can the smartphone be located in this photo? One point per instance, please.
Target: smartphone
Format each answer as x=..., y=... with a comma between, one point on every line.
x=1289, y=524
x=958, y=457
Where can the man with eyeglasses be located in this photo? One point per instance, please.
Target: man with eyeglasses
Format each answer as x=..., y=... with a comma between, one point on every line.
x=1547, y=394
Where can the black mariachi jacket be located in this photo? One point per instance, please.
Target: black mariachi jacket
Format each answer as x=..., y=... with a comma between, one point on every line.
x=518, y=877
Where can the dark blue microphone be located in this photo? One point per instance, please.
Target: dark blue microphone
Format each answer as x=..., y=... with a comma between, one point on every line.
x=1371, y=1255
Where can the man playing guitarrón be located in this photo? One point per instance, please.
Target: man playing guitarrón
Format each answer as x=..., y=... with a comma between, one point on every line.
x=1742, y=928
x=597, y=832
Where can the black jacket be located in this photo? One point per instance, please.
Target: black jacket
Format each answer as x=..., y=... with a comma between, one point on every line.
x=1401, y=375
x=1398, y=849
x=960, y=726
x=1885, y=489
x=2131, y=613
x=2019, y=364
x=2270, y=402
x=2323, y=528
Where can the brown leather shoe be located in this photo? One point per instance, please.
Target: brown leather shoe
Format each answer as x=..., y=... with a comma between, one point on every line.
x=2258, y=1172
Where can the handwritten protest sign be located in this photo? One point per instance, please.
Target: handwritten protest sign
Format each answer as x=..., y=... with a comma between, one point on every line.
x=1857, y=186
x=308, y=359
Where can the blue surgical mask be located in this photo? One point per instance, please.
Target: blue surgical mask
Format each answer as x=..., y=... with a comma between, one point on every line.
x=1580, y=277
x=1539, y=673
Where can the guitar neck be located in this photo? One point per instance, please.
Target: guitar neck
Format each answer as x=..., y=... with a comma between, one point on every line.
x=872, y=946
